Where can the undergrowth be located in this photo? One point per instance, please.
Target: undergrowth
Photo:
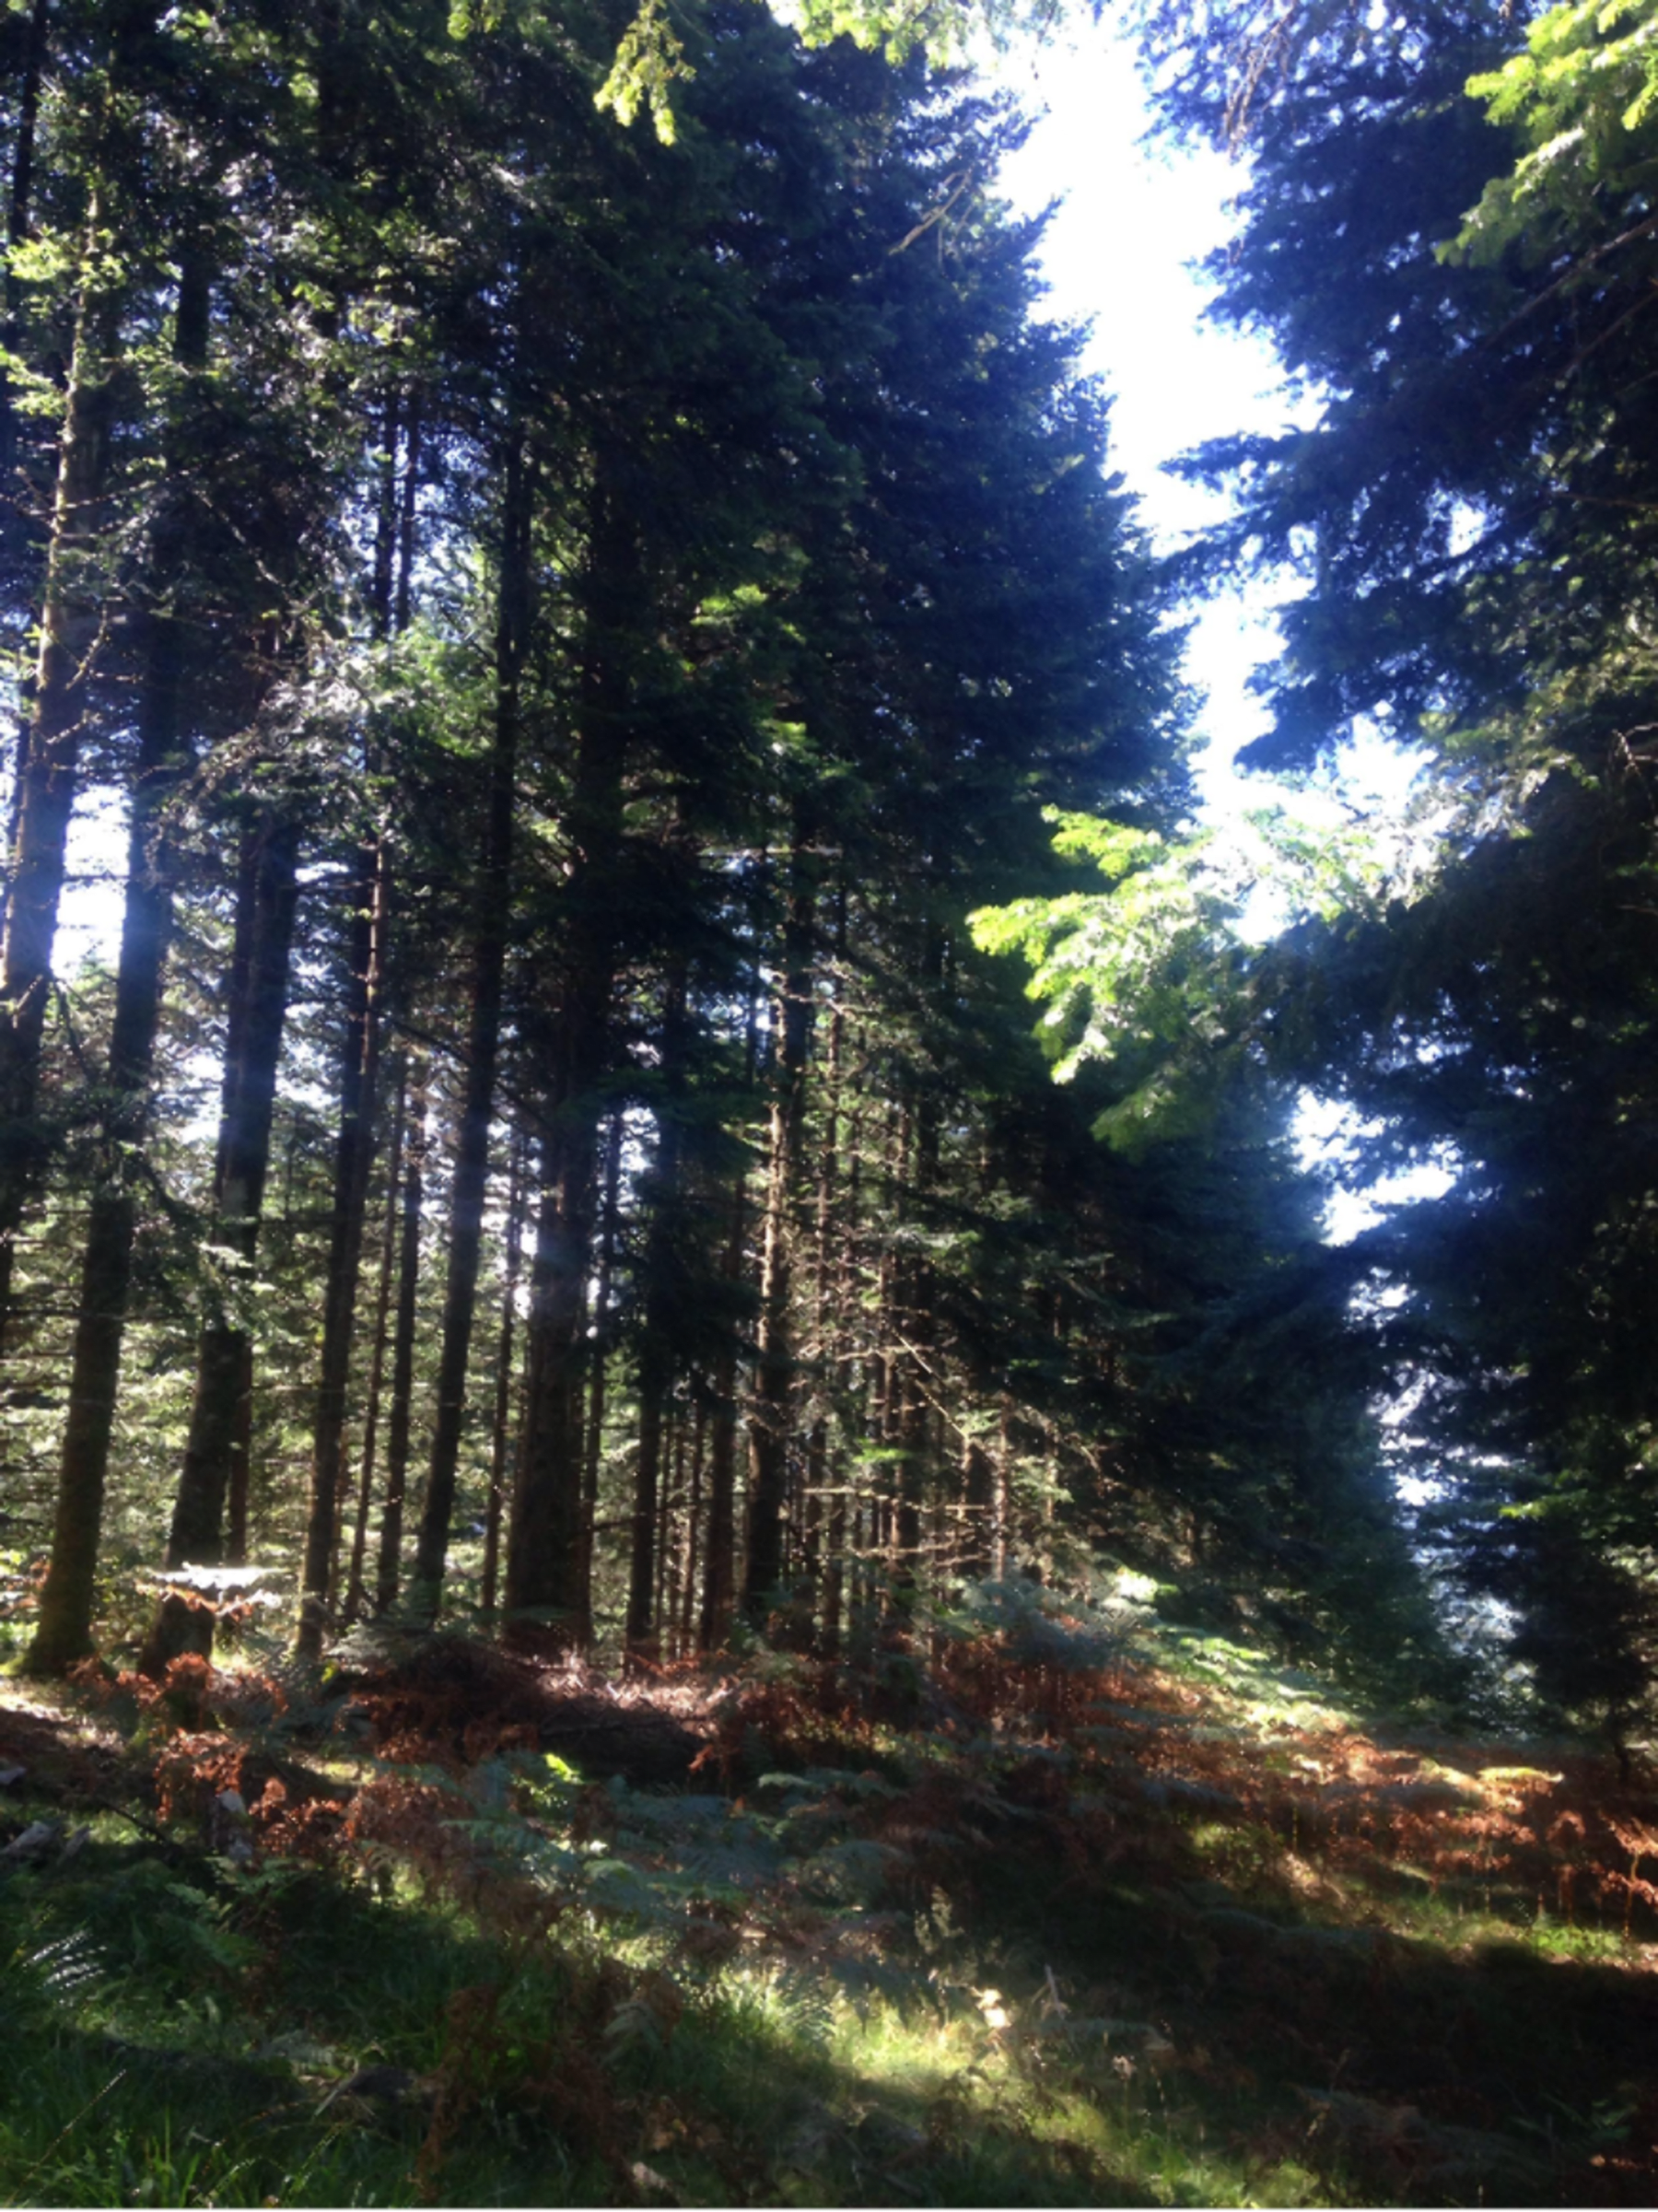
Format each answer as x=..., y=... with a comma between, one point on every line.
x=1029, y=1912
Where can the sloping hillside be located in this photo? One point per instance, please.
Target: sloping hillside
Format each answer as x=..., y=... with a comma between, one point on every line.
x=1049, y=1914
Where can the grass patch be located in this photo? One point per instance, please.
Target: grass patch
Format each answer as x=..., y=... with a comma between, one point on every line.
x=1126, y=1934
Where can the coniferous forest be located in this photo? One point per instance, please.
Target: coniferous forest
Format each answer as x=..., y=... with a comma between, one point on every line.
x=692, y=1506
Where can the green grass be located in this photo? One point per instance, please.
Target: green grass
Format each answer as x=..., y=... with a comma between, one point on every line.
x=186, y=2059
x=1173, y=1956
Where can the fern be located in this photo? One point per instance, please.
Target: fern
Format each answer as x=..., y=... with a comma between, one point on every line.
x=46, y=1975
x=855, y=1871
x=804, y=2002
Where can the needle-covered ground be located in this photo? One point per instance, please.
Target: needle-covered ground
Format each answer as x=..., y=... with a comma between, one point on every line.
x=1033, y=1915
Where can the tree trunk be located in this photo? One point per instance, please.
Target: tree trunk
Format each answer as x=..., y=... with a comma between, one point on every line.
x=267, y=896
x=978, y=1485
x=353, y=1154
x=638, y=1636
x=656, y=1349
x=63, y=1631
x=16, y=534
x=719, y=1571
x=545, y=1559
x=546, y=1598
x=593, y=1444
x=20, y=200
x=773, y=1383
x=500, y=1427
x=693, y=1560
x=492, y=915
x=719, y=1574
x=390, y=610
x=241, y=1457
x=835, y=1565
x=17, y=549
x=46, y=786
x=389, y=1561
x=356, y=1595
x=827, y=1505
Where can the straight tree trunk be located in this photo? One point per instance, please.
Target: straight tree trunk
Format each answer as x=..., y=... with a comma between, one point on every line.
x=389, y=1561
x=693, y=1560
x=913, y=1330
x=829, y=1518
x=602, y=1309
x=63, y=1631
x=492, y=918
x=355, y=1594
x=359, y=1084
x=545, y=1552
x=267, y=896
x=354, y=1155
x=670, y=1483
x=15, y=502
x=390, y=611
x=638, y=1630
x=593, y=1444
x=888, y=1409
x=20, y=198
x=846, y=1583
x=546, y=1598
x=774, y=1383
x=656, y=1348
x=835, y=1565
x=500, y=1427
x=719, y=1573
x=50, y=761
x=1002, y=1505
x=241, y=1458
x=978, y=1485
x=719, y=1570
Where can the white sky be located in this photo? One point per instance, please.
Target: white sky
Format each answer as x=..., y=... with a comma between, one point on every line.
x=1121, y=250
x=1124, y=252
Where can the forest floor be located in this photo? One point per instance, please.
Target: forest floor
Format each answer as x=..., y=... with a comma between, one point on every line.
x=1025, y=1924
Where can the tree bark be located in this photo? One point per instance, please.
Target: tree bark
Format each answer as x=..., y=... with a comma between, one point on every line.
x=545, y=1553
x=20, y=199
x=19, y=555
x=828, y=1500
x=399, y=1424
x=492, y=918
x=355, y=1593
x=50, y=766
x=17, y=536
x=719, y=1573
x=593, y=1444
x=390, y=610
x=774, y=1383
x=656, y=1346
x=500, y=1427
x=267, y=896
x=686, y=1623
x=978, y=1487
x=354, y=1155
x=63, y=1631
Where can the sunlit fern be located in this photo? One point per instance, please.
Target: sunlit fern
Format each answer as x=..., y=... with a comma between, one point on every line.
x=43, y=1976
